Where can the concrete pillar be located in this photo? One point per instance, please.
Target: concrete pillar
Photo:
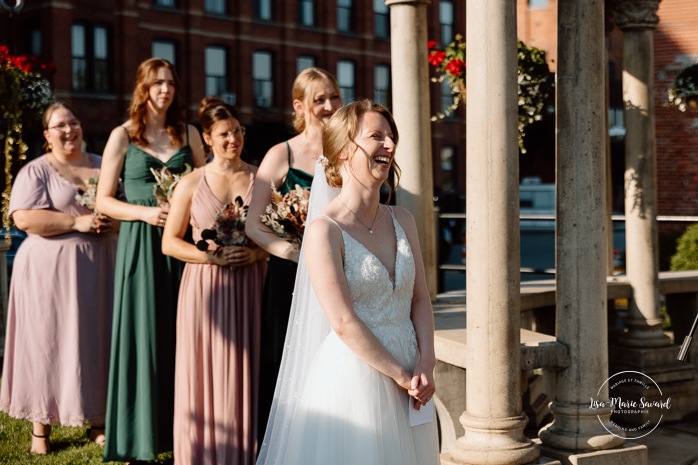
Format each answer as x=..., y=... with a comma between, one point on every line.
x=410, y=79
x=638, y=19
x=493, y=420
x=581, y=240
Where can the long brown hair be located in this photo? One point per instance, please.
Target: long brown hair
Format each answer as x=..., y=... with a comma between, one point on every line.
x=174, y=120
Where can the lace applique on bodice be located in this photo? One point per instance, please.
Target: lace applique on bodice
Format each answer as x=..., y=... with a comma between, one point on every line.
x=385, y=306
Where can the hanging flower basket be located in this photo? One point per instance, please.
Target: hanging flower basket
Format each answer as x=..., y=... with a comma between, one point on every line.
x=536, y=82
x=684, y=93
x=24, y=94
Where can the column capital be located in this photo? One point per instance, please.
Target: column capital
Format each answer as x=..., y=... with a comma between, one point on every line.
x=636, y=14
x=390, y=3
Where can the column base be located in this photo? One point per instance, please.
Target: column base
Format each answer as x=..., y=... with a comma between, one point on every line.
x=659, y=363
x=492, y=441
x=676, y=380
x=626, y=455
x=640, y=334
x=579, y=428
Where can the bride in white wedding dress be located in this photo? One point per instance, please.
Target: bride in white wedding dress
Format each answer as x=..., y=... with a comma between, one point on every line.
x=344, y=390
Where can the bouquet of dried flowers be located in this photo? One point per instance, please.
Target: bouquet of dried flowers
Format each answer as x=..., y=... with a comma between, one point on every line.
x=229, y=227
x=87, y=196
x=165, y=182
x=286, y=214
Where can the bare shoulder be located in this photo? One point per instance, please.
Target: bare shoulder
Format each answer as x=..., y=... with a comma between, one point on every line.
x=189, y=181
x=278, y=154
x=323, y=233
x=121, y=132
x=404, y=217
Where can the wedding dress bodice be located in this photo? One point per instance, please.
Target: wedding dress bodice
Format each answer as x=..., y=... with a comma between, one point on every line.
x=385, y=306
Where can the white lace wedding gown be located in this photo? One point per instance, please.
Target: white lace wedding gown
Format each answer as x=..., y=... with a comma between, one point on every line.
x=348, y=412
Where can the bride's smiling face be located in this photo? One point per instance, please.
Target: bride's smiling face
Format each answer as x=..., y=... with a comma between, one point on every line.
x=374, y=148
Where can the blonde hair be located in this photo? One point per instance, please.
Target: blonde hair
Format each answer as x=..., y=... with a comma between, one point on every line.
x=340, y=134
x=302, y=86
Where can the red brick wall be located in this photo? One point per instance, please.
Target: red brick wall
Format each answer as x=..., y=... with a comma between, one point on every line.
x=675, y=47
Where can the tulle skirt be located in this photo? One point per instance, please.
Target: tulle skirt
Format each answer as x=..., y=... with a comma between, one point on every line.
x=349, y=413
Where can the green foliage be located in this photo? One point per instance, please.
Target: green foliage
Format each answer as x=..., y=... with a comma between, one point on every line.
x=535, y=81
x=24, y=93
x=686, y=256
x=685, y=89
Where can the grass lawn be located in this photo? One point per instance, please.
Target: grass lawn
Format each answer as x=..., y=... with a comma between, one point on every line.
x=69, y=446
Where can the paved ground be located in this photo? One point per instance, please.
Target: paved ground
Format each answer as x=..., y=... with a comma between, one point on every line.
x=673, y=444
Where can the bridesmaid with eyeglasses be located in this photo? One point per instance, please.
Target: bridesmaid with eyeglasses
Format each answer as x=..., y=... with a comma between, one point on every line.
x=60, y=303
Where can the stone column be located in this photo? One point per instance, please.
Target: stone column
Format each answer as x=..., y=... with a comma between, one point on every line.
x=493, y=419
x=581, y=240
x=638, y=19
x=410, y=80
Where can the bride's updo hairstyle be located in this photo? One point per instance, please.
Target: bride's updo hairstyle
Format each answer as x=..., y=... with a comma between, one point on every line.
x=341, y=131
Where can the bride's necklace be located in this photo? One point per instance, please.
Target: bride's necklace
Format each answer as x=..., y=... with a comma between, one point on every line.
x=370, y=228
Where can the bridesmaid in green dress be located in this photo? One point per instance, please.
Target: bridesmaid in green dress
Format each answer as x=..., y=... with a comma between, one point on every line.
x=316, y=97
x=140, y=401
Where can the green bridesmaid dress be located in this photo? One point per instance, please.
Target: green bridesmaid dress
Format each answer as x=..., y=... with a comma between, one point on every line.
x=140, y=403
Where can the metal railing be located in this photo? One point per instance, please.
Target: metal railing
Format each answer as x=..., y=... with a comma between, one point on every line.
x=541, y=217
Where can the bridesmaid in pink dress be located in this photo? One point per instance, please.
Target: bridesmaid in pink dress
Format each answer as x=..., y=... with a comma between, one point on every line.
x=56, y=366
x=218, y=316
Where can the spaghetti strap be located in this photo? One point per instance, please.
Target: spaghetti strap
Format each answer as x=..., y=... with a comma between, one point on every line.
x=186, y=131
x=128, y=135
x=288, y=153
x=325, y=217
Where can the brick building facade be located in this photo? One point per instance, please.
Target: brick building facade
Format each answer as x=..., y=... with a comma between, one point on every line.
x=250, y=52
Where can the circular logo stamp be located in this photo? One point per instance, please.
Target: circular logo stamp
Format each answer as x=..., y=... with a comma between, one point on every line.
x=637, y=402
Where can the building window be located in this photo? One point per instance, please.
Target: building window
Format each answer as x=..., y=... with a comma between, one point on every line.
x=381, y=19
x=381, y=89
x=345, y=15
x=216, y=75
x=532, y=4
x=90, y=58
x=262, y=76
x=165, y=49
x=306, y=12
x=304, y=62
x=446, y=16
x=167, y=3
x=263, y=10
x=34, y=39
x=215, y=6
x=346, y=80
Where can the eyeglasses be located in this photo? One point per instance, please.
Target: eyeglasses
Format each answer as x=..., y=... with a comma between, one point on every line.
x=64, y=126
x=237, y=132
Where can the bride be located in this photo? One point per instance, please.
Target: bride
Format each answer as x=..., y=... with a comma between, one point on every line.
x=359, y=353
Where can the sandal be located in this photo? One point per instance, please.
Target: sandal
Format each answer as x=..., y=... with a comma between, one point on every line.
x=96, y=434
x=46, y=443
